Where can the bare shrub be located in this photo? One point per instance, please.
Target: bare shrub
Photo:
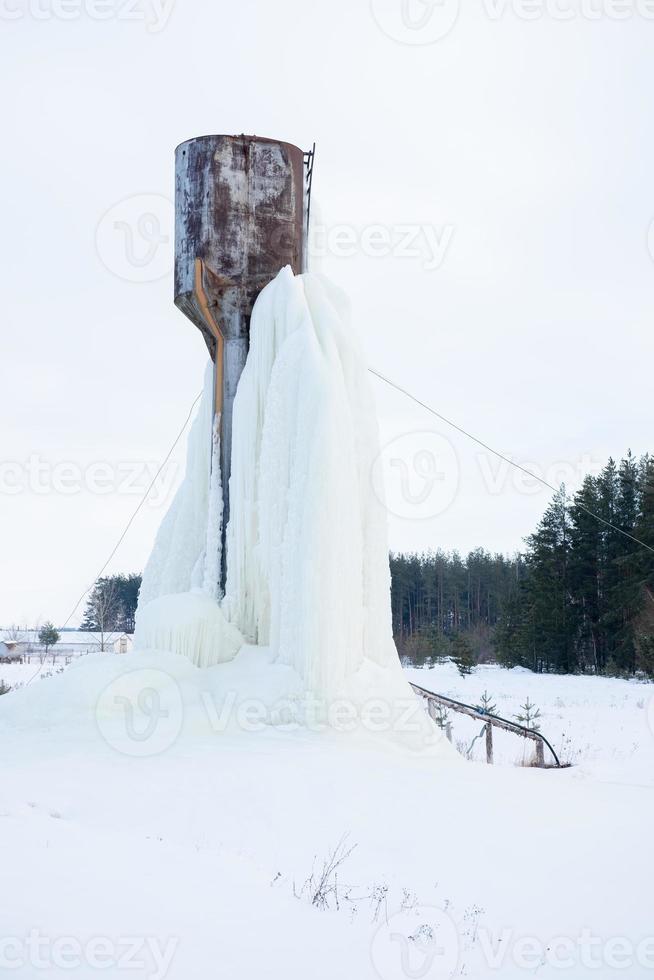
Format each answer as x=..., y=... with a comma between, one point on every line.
x=323, y=889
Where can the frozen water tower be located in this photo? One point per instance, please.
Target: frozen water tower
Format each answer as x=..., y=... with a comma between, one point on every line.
x=241, y=215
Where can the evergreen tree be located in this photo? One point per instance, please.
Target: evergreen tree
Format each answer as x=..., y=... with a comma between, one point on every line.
x=529, y=716
x=128, y=587
x=550, y=612
x=48, y=636
x=513, y=635
x=111, y=606
x=584, y=569
x=627, y=597
x=486, y=704
x=581, y=598
x=462, y=655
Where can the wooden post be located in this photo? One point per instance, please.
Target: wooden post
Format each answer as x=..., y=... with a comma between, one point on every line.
x=489, y=743
x=540, y=754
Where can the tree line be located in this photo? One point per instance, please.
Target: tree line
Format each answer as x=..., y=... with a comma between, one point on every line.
x=586, y=602
x=439, y=597
x=580, y=598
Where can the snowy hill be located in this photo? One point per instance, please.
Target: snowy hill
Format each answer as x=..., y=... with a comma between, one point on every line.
x=258, y=793
x=170, y=846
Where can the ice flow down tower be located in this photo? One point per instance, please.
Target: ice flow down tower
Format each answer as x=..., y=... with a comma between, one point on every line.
x=241, y=215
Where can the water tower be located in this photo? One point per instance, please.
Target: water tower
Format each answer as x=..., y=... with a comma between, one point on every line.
x=241, y=215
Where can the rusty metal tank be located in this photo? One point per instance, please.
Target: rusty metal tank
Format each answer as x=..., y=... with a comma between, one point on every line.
x=240, y=216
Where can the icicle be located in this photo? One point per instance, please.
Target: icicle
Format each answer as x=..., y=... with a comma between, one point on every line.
x=307, y=557
x=213, y=548
x=178, y=609
x=190, y=624
x=176, y=562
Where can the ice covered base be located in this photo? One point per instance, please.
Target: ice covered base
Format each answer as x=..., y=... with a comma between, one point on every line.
x=191, y=624
x=146, y=702
x=307, y=556
x=302, y=636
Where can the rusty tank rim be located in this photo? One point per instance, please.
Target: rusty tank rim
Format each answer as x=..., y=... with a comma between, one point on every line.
x=238, y=136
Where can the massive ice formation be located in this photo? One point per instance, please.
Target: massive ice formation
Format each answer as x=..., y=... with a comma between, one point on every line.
x=307, y=560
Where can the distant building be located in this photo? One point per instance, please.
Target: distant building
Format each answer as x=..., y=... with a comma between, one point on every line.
x=25, y=644
x=10, y=651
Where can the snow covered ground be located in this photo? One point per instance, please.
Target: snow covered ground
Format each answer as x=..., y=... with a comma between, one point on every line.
x=195, y=813
x=17, y=675
x=144, y=832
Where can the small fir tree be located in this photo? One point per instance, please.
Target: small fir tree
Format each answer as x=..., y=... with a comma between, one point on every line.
x=48, y=636
x=486, y=704
x=462, y=655
x=529, y=715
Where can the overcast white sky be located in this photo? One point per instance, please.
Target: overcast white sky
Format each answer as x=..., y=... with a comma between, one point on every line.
x=520, y=148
